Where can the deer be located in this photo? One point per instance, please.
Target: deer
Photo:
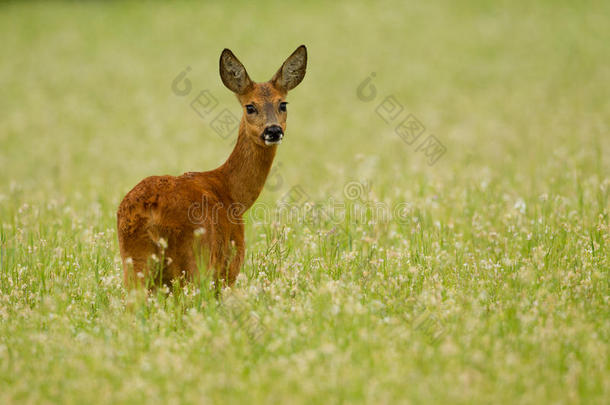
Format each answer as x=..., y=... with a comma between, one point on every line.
x=159, y=237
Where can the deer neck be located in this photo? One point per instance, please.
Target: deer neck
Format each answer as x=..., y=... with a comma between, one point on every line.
x=247, y=168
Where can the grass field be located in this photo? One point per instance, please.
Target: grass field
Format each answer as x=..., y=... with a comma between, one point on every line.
x=484, y=278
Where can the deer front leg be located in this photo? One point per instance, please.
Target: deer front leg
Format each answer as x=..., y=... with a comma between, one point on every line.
x=233, y=253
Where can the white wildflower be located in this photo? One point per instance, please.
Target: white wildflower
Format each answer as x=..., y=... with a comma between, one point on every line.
x=520, y=205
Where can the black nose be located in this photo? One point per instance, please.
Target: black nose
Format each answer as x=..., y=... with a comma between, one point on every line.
x=273, y=133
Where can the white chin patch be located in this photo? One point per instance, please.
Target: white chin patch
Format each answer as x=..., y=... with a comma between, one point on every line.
x=272, y=142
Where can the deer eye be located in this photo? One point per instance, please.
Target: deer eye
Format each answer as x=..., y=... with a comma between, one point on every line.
x=250, y=109
x=283, y=106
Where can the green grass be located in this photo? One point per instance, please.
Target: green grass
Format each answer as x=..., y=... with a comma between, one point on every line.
x=491, y=287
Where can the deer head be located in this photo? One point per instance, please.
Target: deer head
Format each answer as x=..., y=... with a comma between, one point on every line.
x=264, y=104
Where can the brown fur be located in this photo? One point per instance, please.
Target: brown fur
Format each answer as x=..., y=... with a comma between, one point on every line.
x=160, y=217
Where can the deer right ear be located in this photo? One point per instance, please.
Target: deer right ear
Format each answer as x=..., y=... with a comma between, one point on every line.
x=233, y=73
x=292, y=71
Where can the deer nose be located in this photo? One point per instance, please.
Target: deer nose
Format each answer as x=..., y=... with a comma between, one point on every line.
x=273, y=134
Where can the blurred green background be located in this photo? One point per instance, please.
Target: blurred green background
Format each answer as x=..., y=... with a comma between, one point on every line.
x=518, y=89
x=506, y=244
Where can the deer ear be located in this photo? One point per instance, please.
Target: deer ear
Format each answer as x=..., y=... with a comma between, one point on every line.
x=292, y=71
x=233, y=73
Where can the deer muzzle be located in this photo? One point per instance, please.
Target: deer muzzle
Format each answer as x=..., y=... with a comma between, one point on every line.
x=273, y=135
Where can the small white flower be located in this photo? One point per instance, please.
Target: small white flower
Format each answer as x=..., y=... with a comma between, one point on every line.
x=520, y=205
x=199, y=231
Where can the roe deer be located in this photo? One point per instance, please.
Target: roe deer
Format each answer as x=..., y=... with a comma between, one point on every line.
x=155, y=218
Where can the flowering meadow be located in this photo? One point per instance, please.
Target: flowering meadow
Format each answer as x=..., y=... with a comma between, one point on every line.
x=448, y=167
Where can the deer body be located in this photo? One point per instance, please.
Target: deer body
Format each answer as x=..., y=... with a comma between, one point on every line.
x=168, y=225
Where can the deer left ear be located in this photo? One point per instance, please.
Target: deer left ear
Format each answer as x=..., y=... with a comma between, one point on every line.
x=292, y=71
x=233, y=73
